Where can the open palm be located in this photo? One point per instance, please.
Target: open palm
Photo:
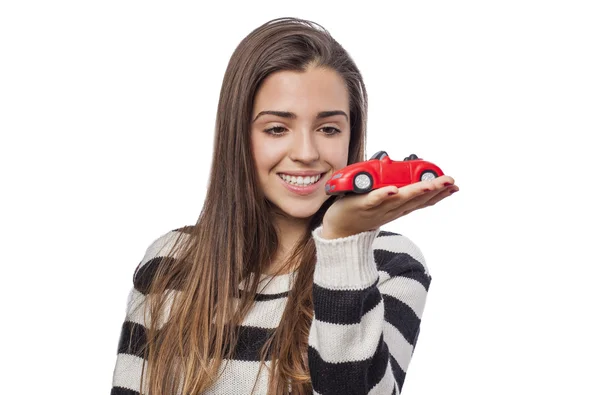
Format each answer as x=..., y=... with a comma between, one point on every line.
x=354, y=214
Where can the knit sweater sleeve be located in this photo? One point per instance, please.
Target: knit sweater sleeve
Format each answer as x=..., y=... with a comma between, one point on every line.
x=369, y=294
x=130, y=361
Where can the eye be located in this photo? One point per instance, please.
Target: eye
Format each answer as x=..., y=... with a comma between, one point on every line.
x=275, y=130
x=279, y=130
x=330, y=130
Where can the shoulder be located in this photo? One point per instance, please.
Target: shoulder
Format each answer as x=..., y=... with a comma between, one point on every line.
x=396, y=253
x=157, y=254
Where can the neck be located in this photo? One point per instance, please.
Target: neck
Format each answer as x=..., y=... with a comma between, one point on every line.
x=289, y=231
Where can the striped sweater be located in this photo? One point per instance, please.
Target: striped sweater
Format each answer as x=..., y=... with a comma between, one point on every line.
x=369, y=294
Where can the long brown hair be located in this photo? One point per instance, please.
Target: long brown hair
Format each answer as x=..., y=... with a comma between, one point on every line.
x=234, y=238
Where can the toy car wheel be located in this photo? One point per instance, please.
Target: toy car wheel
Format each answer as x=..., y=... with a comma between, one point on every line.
x=428, y=175
x=362, y=182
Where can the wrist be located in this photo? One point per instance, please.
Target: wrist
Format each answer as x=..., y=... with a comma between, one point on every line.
x=330, y=233
x=346, y=262
x=327, y=232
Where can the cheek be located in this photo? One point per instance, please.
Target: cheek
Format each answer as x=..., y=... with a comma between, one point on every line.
x=336, y=154
x=266, y=154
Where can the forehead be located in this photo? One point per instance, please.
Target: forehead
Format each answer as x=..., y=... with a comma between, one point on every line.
x=306, y=92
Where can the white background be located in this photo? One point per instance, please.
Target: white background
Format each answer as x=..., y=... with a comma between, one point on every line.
x=107, y=112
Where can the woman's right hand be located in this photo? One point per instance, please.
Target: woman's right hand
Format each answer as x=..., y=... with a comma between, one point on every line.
x=353, y=214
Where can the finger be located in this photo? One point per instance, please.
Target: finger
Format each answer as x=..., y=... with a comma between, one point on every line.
x=443, y=195
x=437, y=195
x=378, y=196
x=437, y=184
x=410, y=193
x=443, y=181
x=394, y=197
x=427, y=200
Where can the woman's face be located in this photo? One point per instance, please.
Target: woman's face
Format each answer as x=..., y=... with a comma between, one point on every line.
x=300, y=136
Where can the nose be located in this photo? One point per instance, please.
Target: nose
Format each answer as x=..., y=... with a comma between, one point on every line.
x=303, y=147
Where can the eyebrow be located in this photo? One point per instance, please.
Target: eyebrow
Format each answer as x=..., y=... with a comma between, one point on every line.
x=291, y=115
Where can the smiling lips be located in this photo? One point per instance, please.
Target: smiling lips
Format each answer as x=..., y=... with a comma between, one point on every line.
x=300, y=180
x=302, y=183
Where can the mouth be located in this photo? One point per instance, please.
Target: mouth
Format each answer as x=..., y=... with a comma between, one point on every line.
x=301, y=181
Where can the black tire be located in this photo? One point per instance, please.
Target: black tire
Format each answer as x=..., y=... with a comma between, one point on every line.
x=364, y=189
x=427, y=175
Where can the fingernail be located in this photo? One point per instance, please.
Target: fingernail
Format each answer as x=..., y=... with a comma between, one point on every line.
x=391, y=193
x=452, y=191
x=425, y=190
x=447, y=183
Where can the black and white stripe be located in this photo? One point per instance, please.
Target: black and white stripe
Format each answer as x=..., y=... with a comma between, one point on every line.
x=363, y=335
x=365, y=327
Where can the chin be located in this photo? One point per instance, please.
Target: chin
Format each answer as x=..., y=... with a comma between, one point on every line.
x=299, y=210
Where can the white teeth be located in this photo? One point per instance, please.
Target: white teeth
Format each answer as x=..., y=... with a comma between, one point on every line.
x=301, y=181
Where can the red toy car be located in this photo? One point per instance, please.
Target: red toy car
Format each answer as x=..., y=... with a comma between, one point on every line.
x=381, y=171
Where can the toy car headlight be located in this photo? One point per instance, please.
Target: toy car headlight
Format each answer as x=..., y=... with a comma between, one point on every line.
x=336, y=176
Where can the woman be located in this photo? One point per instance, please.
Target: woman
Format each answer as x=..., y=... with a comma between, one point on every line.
x=278, y=287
